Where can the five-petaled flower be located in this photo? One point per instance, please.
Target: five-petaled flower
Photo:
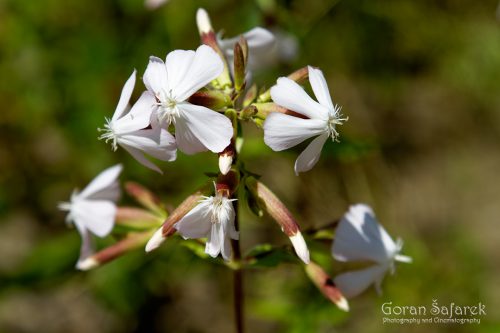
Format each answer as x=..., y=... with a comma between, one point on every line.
x=359, y=237
x=213, y=218
x=283, y=131
x=93, y=210
x=172, y=82
x=130, y=129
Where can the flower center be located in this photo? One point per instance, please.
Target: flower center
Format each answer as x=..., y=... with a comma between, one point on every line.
x=167, y=107
x=334, y=118
x=218, y=209
x=108, y=134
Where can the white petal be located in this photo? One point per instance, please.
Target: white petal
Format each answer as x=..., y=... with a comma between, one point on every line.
x=198, y=129
x=204, y=67
x=156, y=142
x=300, y=246
x=86, y=264
x=360, y=237
x=155, y=77
x=310, y=156
x=288, y=94
x=87, y=246
x=139, y=116
x=178, y=64
x=283, y=131
x=214, y=241
x=139, y=157
x=104, y=185
x=258, y=40
x=226, y=249
x=225, y=163
x=320, y=87
x=354, y=283
x=196, y=223
x=98, y=216
x=153, y=4
x=156, y=240
x=127, y=90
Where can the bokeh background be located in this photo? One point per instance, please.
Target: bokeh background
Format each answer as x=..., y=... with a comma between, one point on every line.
x=419, y=80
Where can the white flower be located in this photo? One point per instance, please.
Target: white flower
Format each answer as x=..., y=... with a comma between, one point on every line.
x=213, y=218
x=127, y=129
x=172, y=82
x=93, y=210
x=282, y=131
x=359, y=237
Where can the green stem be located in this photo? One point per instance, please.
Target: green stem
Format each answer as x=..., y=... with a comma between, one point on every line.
x=238, y=295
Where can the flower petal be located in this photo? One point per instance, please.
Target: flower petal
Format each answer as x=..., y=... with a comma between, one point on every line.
x=355, y=282
x=98, y=216
x=196, y=223
x=139, y=157
x=283, y=131
x=155, y=77
x=178, y=63
x=258, y=40
x=215, y=238
x=156, y=142
x=360, y=237
x=127, y=90
x=320, y=87
x=288, y=94
x=205, y=66
x=198, y=129
x=310, y=156
x=104, y=186
x=139, y=116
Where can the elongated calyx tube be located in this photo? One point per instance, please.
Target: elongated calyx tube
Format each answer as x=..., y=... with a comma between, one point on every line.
x=325, y=284
x=270, y=203
x=167, y=227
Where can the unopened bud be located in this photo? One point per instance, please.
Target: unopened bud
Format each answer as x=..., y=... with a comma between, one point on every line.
x=145, y=197
x=167, y=227
x=203, y=21
x=280, y=213
x=326, y=285
x=131, y=242
x=225, y=163
x=212, y=99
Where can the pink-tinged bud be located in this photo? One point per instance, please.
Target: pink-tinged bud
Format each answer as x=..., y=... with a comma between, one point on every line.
x=298, y=76
x=326, y=285
x=212, y=99
x=131, y=242
x=167, y=229
x=264, y=109
x=145, y=197
x=136, y=218
x=278, y=211
x=208, y=37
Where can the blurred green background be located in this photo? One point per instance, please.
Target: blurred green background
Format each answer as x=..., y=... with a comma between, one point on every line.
x=419, y=80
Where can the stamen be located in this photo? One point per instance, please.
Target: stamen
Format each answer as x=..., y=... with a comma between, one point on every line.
x=335, y=118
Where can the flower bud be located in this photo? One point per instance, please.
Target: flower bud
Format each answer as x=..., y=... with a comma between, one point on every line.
x=203, y=22
x=212, y=99
x=225, y=162
x=278, y=211
x=208, y=37
x=326, y=285
x=250, y=95
x=131, y=242
x=167, y=228
x=240, y=64
x=145, y=197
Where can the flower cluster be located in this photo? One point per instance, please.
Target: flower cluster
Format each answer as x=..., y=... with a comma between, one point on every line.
x=195, y=101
